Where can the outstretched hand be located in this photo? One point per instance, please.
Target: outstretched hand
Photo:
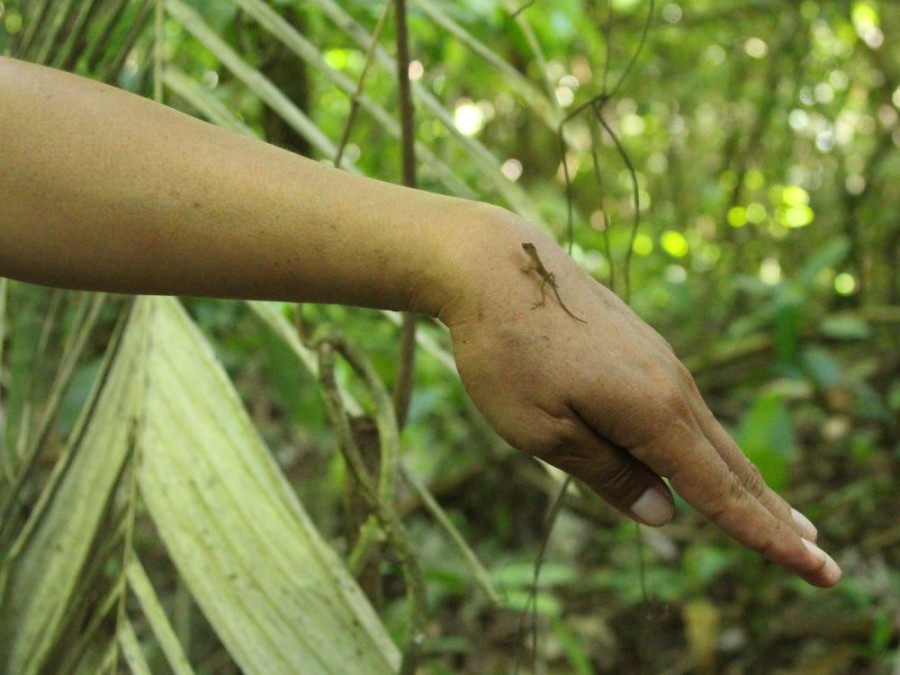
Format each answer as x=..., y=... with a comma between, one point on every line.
x=607, y=401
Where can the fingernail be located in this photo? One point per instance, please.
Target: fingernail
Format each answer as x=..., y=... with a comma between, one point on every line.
x=805, y=525
x=653, y=508
x=831, y=569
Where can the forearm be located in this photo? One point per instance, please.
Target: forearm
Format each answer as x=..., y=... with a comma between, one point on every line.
x=105, y=190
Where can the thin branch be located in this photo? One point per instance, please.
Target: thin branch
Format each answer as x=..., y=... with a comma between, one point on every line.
x=360, y=85
x=4, y=454
x=403, y=387
x=515, y=13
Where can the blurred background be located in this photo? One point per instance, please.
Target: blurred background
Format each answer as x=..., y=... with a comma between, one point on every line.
x=731, y=167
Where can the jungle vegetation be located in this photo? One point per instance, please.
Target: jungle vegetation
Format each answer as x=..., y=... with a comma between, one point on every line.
x=729, y=166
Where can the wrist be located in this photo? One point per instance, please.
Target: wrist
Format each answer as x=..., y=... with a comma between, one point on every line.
x=479, y=253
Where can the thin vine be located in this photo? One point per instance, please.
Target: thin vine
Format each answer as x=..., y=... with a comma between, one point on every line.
x=378, y=493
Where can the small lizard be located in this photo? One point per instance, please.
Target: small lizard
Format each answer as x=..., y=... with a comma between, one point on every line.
x=547, y=278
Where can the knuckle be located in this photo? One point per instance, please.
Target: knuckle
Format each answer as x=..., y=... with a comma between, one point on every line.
x=617, y=482
x=754, y=482
x=671, y=405
x=685, y=378
x=737, y=493
x=730, y=501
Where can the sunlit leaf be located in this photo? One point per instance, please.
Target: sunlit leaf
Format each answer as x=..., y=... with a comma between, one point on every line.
x=279, y=598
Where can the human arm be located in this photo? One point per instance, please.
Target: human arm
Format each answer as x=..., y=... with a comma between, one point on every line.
x=104, y=190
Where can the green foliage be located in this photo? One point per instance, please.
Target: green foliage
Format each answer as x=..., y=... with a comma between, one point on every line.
x=766, y=436
x=765, y=138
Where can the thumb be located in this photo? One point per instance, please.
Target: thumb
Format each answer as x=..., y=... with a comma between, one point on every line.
x=616, y=475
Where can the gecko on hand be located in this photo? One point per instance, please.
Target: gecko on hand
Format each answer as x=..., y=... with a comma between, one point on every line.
x=547, y=278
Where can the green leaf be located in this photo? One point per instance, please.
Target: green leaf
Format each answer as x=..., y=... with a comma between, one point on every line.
x=845, y=328
x=152, y=607
x=41, y=573
x=766, y=435
x=822, y=368
x=278, y=597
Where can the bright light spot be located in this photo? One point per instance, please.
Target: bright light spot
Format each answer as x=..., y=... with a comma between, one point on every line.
x=874, y=38
x=825, y=140
x=598, y=221
x=632, y=125
x=770, y=271
x=468, y=117
x=130, y=67
x=754, y=179
x=824, y=93
x=798, y=119
x=671, y=13
x=838, y=79
x=676, y=274
x=864, y=16
x=210, y=79
x=887, y=115
x=866, y=22
x=677, y=124
x=674, y=243
x=624, y=5
x=737, y=216
x=416, y=70
x=756, y=213
x=756, y=48
x=895, y=97
x=13, y=23
x=565, y=96
x=794, y=195
x=339, y=59
x=845, y=283
x=855, y=184
x=569, y=81
x=512, y=169
x=352, y=152
x=797, y=216
x=715, y=54
x=643, y=244
x=555, y=70
x=845, y=126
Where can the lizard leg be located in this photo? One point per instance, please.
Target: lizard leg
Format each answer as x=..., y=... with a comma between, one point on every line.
x=544, y=282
